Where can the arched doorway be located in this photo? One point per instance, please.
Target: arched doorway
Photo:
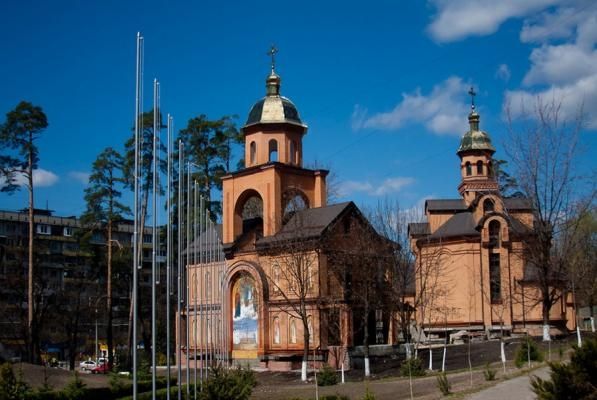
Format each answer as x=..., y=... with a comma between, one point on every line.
x=245, y=315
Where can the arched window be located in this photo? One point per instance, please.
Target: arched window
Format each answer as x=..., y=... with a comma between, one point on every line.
x=292, y=335
x=488, y=206
x=253, y=152
x=207, y=285
x=495, y=283
x=195, y=288
x=273, y=150
x=293, y=201
x=276, y=330
x=469, y=170
x=479, y=167
x=490, y=169
x=494, y=233
x=276, y=279
x=292, y=155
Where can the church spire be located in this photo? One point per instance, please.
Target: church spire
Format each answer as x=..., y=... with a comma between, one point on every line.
x=272, y=53
x=272, y=83
x=473, y=117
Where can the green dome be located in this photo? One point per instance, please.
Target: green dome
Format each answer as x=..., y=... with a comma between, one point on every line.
x=274, y=108
x=475, y=139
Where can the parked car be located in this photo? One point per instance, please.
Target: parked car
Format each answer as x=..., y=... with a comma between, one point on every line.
x=101, y=369
x=87, y=365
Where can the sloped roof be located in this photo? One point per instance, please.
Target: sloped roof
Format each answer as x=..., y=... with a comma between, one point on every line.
x=461, y=224
x=213, y=240
x=445, y=205
x=419, y=228
x=518, y=203
x=308, y=223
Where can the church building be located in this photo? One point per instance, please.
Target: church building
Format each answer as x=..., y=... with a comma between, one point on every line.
x=287, y=253
x=470, y=254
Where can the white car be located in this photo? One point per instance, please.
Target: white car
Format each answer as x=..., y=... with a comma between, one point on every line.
x=87, y=365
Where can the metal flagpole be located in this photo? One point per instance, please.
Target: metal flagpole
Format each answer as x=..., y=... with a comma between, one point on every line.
x=187, y=259
x=221, y=313
x=201, y=280
x=211, y=293
x=154, y=237
x=138, y=84
x=207, y=295
x=226, y=312
x=179, y=272
x=216, y=285
x=210, y=336
x=168, y=256
x=195, y=288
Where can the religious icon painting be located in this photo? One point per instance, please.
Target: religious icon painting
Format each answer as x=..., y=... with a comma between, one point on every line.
x=244, y=317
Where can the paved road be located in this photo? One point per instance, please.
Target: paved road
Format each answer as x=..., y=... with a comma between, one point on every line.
x=513, y=389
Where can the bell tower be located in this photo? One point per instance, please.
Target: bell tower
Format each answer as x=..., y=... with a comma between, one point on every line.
x=475, y=152
x=273, y=176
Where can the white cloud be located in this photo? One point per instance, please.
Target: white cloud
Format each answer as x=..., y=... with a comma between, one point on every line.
x=503, y=72
x=443, y=111
x=389, y=185
x=560, y=65
x=549, y=25
x=582, y=93
x=457, y=19
x=566, y=71
x=41, y=178
x=82, y=177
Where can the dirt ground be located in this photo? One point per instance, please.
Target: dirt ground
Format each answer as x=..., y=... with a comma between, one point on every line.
x=384, y=389
x=34, y=375
x=385, y=381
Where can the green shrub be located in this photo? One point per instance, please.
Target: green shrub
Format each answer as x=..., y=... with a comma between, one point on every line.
x=489, y=373
x=161, y=394
x=327, y=376
x=443, y=383
x=224, y=384
x=117, y=384
x=528, y=348
x=75, y=389
x=246, y=376
x=368, y=394
x=12, y=387
x=334, y=397
x=412, y=367
x=143, y=369
x=575, y=380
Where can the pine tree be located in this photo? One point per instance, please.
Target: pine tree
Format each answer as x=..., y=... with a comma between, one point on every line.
x=103, y=211
x=19, y=157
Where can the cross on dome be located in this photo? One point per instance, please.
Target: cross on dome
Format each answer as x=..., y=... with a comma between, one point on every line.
x=272, y=53
x=472, y=93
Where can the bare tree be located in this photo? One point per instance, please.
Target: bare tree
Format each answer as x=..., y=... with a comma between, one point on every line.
x=293, y=276
x=391, y=221
x=332, y=181
x=583, y=271
x=543, y=146
x=360, y=261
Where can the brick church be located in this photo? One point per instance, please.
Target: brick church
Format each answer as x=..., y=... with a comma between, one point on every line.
x=287, y=253
x=473, y=247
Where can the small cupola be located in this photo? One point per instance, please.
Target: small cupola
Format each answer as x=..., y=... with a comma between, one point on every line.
x=475, y=139
x=274, y=129
x=475, y=152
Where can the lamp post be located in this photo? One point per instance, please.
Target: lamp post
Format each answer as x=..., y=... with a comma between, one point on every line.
x=96, y=329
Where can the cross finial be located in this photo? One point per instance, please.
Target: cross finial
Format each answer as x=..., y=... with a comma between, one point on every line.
x=272, y=53
x=472, y=93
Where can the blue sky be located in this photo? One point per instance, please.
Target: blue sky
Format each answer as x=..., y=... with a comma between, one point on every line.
x=382, y=84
